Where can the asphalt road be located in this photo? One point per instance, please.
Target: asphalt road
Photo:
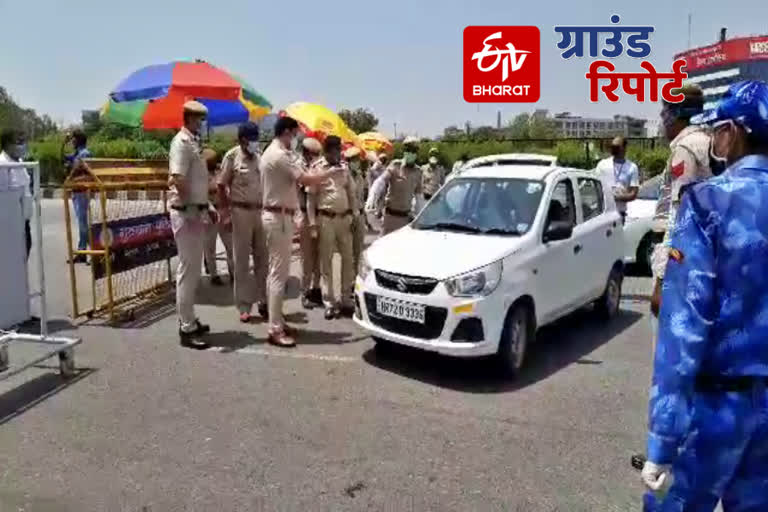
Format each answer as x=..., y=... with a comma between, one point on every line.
x=330, y=426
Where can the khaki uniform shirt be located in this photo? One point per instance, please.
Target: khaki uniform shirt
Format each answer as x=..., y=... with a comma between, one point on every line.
x=403, y=185
x=240, y=172
x=337, y=193
x=688, y=163
x=280, y=168
x=184, y=159
x=432, y=178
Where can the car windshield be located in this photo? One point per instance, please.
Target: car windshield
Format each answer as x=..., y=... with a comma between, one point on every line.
x=650, y=189
x=501, y=206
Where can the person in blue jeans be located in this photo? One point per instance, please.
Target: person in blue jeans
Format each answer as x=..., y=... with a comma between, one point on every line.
x=79, y=141
x=708, y=411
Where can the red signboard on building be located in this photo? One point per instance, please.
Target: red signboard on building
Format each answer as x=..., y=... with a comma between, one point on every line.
x=727, y=52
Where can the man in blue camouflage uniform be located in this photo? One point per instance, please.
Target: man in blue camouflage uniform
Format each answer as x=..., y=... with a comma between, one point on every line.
x=708, y=414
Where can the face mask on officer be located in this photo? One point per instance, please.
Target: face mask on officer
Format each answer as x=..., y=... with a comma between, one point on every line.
x=354, y=165
x=433, y=161
x=253, y=146
x=409, y=158
x=721, y=144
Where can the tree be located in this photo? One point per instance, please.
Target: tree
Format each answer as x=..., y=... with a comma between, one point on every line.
x=359, y=120
x=520, y=127
x=14, y=116
x=482, y=133
x=542, y=128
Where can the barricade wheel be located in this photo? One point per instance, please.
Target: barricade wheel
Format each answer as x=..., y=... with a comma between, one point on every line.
x=67, y=363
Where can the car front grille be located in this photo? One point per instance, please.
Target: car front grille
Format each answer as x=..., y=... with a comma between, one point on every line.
x=434, y=320
x=405, y=284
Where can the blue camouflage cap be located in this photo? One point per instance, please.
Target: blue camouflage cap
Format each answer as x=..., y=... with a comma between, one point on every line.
x=746, y=103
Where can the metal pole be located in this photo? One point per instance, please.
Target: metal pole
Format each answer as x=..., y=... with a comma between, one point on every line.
x=40, y=265
x=168, y=260
x=72, y=276
x=107, y=243
x=90, y=246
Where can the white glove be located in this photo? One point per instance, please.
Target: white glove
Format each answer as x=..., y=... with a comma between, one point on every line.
x=655, y=475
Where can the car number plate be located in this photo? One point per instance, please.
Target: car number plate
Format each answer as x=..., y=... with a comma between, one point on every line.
x=400, y=309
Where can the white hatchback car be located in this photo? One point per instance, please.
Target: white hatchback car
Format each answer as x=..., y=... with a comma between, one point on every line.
x=641, y=233
x=496, y=253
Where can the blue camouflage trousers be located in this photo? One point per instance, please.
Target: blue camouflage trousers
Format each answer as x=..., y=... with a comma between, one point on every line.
x=725, y=457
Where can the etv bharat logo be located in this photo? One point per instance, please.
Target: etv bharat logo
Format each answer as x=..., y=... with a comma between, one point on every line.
x=514, y=82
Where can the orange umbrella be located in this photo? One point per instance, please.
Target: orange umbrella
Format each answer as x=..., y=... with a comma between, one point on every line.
x=375, y=141
x=319, y=122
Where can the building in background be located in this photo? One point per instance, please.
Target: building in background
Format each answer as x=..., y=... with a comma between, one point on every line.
x=717, y=66
x=569, y=125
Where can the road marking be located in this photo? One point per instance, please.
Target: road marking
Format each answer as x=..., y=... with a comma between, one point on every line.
x=294, y=355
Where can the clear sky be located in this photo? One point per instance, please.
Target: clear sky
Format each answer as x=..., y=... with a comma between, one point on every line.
x=402, y=59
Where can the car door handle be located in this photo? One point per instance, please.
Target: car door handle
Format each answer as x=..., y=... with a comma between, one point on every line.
x=577, y=249
x=609, y=233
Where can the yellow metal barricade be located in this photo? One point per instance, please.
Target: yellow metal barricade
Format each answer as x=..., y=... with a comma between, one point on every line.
x=130, y=243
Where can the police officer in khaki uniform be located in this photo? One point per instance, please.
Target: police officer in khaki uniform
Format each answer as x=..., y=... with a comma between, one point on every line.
x=334, y=202
x=281, y=170
x=190, y=216
x=240, y=193
x=215, y=230
x=353, y=156
x=402, y=181
x=688, y=162
x=311, y=295
x=432, y=175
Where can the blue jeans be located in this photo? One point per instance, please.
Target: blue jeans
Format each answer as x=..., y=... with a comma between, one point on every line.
x=80, y=203
x=725, y=456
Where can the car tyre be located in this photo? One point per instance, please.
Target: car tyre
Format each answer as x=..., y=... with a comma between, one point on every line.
x=644, y=256
x=607, y=306
x=516, y=336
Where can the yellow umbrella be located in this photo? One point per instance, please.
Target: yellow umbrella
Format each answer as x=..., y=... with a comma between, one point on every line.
x=375, y=141
x=318, y=121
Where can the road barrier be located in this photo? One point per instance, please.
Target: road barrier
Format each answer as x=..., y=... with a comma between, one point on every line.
x=129, y=242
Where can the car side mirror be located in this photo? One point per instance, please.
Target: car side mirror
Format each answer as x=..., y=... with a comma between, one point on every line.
x=558, y=230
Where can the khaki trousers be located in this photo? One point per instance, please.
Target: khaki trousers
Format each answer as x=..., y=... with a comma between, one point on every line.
x=393, y=223
x=336, y=232
x=248, y=242
x=189, y=231
x=278, y=231
x=214, y=231
x=359, y=229
x=310, y=267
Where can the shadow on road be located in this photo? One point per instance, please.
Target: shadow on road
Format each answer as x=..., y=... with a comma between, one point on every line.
x=559, y=345
x=54, y=326
x=232, y=341
x=27, y=395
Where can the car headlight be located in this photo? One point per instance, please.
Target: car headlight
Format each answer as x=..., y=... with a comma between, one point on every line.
x=477, y=283
x=365, y=267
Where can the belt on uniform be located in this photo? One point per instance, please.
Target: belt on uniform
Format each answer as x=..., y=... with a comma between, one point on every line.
x=198, y=207
x=279, y=209
x=246, y=205
x=722, y=383
x=303, y=209
x=397, y=213
x=331, y=214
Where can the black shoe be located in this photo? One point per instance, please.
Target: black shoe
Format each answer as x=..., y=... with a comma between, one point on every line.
x=306, y=302
x=80, y=258
x=330, y=313
x=315, y=295
x=347, y=311
x=193, y=342
x=216, y=281
x=263, y=310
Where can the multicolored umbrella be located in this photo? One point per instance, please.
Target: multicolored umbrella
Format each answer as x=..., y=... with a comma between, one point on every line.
x=376, y=142
x=152, y=97
x=318, y=121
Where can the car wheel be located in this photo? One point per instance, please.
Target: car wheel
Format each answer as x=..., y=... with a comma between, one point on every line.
x=515, y=339
x=607, y=306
